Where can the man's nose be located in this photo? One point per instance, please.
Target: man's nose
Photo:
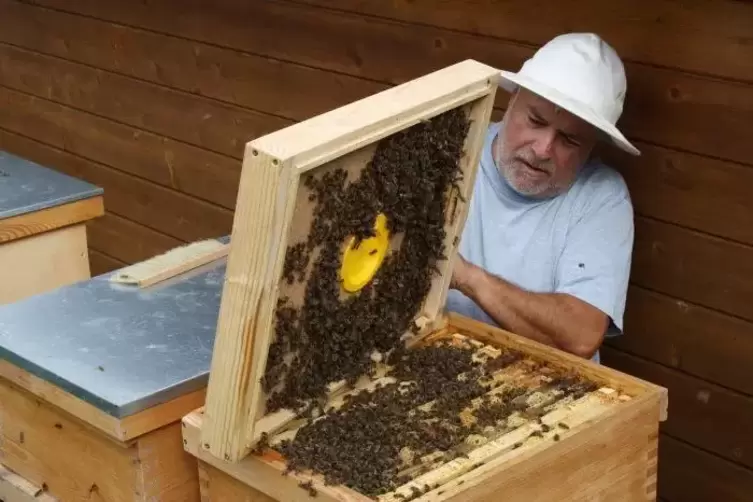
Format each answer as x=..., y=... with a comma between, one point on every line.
x=543, y=144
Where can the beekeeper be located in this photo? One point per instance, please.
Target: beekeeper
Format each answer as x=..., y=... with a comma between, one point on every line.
x=546, y=250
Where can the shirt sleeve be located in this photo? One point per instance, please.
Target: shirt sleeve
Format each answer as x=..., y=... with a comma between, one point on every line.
x=595, y=263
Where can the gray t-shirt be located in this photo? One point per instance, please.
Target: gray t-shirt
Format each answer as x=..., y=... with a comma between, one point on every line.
x=579, y=242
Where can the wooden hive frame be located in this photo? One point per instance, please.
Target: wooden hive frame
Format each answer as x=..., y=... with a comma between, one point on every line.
x=610, y=450
x=607, y=452
x=263, y=225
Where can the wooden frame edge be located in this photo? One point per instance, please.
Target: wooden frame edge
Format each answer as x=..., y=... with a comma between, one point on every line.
x=272, y=166
x=122, y=430
x=561, y=358
x=647, y=399
x=45, y=220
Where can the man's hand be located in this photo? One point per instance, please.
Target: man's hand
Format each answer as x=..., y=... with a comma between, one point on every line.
x=556, y=319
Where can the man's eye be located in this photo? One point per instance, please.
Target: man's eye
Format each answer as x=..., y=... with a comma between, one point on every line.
x=571, y=142
x=536, y=121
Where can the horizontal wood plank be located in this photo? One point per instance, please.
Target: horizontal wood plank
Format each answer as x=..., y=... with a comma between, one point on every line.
x=177, y=165
x=101, y=263
x=51, y=218
x=664, y=106
x=704, y=37
x=700, y=413
x=282, y=89
x=694, y=267
x=186, y=117
x=172, y=213
x=127, y=241
x=690, y=338
x=682, y=172
x=690, y=190
x=675, y=109
x=688, y=474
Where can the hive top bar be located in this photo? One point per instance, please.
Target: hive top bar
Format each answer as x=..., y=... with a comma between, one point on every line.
x=120, y=348
x=26, y=187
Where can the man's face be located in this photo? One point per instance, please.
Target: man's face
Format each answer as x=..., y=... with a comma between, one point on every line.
x=542, y=147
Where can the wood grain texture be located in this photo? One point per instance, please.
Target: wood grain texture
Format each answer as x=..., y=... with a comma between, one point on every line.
x=693, y=191
x=608, y=461
x=52, y=218
x=171, y=212
x=100, y=263
x=611, y=455
x=152, y=467
x=244, y=79
x=690, y=338
x=43, y=262
x=327, y=136
x=703, y=37
x=269, y=210
x=122, y=430
x=248, y=298
x=694, y=267
x=33, y=428
x=663, y=106
x=167, y=472
x=191, y=170
x=686, y=183
x=127, y=240
x=697, y=408
x=687, y=474
x=160, y=67
x=179, y=115
x=216, y=485
x=14, y=488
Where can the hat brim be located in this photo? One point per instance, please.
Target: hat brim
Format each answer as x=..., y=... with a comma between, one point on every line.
x=510, y=81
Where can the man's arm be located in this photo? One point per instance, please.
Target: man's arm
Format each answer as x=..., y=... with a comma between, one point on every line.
x=556, y=319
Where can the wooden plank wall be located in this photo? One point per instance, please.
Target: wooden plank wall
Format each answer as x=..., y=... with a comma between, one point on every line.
x=154, y=100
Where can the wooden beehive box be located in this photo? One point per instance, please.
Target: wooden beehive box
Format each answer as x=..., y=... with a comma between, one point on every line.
x=334, y=362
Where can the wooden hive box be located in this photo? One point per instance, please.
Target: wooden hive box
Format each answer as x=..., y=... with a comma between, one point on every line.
x=336, y=372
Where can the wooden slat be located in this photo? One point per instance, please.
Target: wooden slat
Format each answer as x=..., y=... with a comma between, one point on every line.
x=177, y=165
x=216, y=485
x=694, y=267
x=286, y=90
x=101, y=263
x=51, y=218
x=669, y=185
x=705, y=37
x=271, y=209
x=43, y=263
x=120, y=430
x=705, y=194
x=701, y=413
x=126, y=240
x=687, y=474
x=14, y=488
x=187, y=117
x=168, y=474
x=168, y=211
x=673, y=108
x=691, y=338
x=343, y=130
x=664, y=106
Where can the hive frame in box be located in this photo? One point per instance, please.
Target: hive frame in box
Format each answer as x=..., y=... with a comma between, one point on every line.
x=608, y=454
x=272, y=167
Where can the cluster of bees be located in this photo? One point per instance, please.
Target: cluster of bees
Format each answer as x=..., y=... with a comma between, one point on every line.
x=381, y=438
x=420, y=414
x=329, y=338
